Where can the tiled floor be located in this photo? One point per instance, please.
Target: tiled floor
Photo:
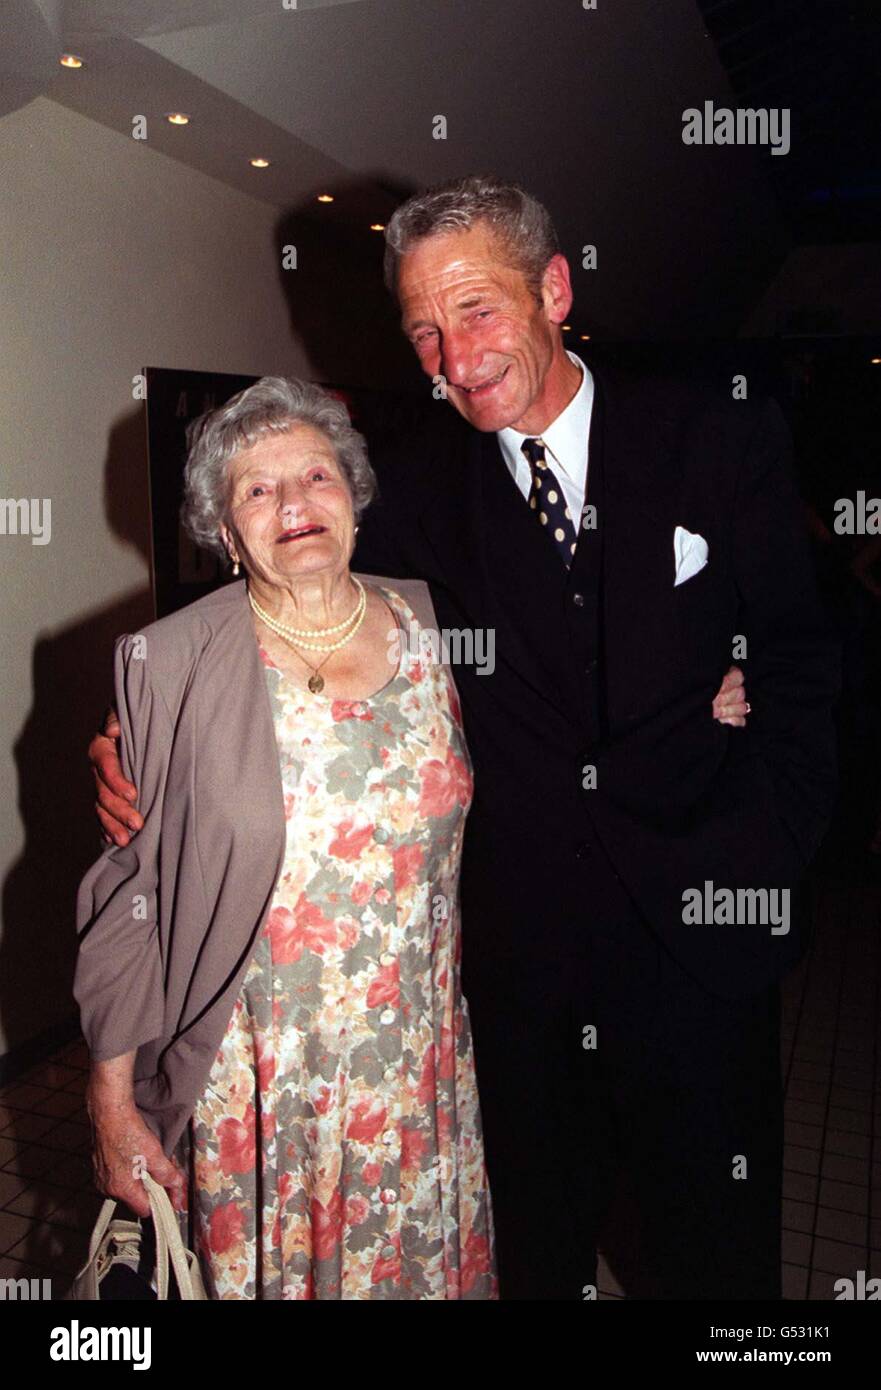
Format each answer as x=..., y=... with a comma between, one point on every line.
x=832, y=1066
x=47, y=1204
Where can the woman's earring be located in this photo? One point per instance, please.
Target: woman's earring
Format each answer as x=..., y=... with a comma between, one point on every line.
x=235, y=567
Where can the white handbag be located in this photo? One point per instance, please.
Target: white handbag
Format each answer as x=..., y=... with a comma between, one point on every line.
x=118, y=1241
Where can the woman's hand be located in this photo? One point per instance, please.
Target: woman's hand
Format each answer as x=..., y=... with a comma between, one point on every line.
x=124, y=1147
x=730, y=705
x=116, y=796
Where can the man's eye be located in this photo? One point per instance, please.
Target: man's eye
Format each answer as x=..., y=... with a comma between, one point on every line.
x=319, y=475
x=256, y=491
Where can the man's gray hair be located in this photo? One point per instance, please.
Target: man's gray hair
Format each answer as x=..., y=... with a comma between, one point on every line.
x=273, y=405
x=521, y=222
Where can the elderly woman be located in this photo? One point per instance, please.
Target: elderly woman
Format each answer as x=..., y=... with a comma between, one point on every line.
x=268, y=977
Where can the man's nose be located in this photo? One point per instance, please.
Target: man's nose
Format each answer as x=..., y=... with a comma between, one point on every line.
x=458, y=358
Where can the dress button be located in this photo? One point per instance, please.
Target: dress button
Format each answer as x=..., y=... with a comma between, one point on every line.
x=582, y=851
x=389, y=1196
x=381, y=835
x=387, y=958
x=578, y=600
x=388, y=1252
x=390, y=1074
x=389, y=1136
x=387, y=1016
x=590, y=668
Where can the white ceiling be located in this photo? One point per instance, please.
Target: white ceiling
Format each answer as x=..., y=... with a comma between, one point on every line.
x=582, y=106
x=139, y=18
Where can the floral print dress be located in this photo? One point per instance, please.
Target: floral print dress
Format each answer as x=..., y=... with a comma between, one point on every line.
x=336, y=1151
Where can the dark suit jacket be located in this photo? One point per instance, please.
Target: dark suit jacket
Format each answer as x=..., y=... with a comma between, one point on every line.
x=680, y=799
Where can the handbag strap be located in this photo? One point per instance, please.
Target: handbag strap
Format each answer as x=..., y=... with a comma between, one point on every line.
x=167, y=1239
x=169, y=1244
x=122, y=1229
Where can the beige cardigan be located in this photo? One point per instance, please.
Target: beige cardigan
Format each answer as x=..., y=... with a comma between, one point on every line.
x=167, y=925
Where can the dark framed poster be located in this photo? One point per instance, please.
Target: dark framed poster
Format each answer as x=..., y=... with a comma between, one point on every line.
x=181, y=571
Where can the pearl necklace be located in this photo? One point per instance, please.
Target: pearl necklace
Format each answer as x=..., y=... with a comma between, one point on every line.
x=298, y=635
x=315, y=682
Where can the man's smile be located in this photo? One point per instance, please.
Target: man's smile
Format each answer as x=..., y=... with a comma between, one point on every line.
x=483, y=388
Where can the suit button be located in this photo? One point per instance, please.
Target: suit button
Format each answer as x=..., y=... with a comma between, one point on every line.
x=578, y=600
x=590, y=668
x=582, y=851
x=381, y=835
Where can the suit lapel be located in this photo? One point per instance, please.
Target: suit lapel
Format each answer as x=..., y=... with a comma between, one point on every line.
x=505, y=575
x=502, y=571
x=528, y=582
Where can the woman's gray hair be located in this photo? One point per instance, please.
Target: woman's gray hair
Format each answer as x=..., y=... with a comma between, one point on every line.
x=273, y=405
x=522, y=223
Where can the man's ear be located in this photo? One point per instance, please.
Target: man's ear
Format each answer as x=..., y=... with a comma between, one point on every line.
x=556, y=289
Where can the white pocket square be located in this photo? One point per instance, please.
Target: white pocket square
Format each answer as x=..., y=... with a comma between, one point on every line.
x=690, y=553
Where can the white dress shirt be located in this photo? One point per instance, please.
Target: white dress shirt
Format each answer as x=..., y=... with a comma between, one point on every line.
x=565, y=441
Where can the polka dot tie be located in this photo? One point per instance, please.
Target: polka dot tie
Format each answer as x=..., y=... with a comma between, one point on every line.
x=547, y=501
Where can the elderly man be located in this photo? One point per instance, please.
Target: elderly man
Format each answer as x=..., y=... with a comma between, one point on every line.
x=629, y=862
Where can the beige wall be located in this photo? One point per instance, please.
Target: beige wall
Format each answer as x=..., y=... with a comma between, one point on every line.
x=114, y=257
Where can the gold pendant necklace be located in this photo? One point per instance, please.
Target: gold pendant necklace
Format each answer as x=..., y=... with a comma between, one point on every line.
x=315, y=683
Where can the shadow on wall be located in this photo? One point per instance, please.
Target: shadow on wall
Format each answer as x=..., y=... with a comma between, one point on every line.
x=72, y=685
x=347, y=324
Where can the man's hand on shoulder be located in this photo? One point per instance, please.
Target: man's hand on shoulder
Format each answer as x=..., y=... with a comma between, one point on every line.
x=115, y=806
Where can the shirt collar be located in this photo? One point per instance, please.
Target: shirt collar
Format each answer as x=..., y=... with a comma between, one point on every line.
x=565, y=438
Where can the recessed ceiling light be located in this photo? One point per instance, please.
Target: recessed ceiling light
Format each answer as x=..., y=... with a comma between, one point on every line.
x=377, y=226
x=567, y=328
x=70, y=60
x=260, y=163
x=876, y=361
x=325, y=197
x=585, y=337
x=177, y=118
